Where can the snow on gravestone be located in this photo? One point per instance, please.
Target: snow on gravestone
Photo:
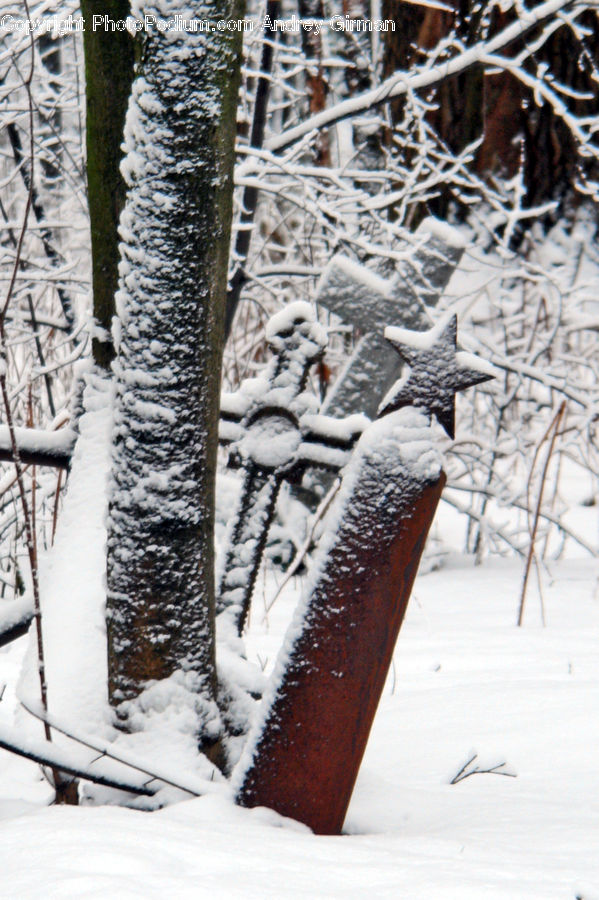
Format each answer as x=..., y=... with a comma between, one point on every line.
x=369, y=302
x=303, y=756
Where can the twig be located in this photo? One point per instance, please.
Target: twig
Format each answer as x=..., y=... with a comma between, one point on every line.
x=477, y=770
x=57, y=759
x=30, y=538
x=34, y=324
x=548, y=517
x=423, y=78
x=249, y=199
x=55, y=510
x=553, y=427
x=301, y=553
x=195, y=786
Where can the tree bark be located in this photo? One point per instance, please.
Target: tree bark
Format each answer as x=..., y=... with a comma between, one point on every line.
x=173, y=274
x=316, y=85
x=109, y=59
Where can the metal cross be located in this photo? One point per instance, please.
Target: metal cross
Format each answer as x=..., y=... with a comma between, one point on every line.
x=273, y=432
x=369, y=301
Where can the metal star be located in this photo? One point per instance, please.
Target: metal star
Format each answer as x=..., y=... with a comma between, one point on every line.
x=436, y=372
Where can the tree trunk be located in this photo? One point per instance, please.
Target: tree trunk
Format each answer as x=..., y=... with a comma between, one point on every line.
x=173, y=274
x=316, y=85
x=109, y=58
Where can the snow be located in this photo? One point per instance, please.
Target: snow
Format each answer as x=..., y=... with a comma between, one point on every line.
x=270, y=442
x=443, y=232
x=341, y=269
x=417, y=340
x=425, y=340
x=359, y=295
x=465, y=679
x=465, y=682
x=72, y=576
x=34, y=440
x=13, y=612
x=421, y=78
x=475, y=363
x=342, y=430
x=327, y=457
x=286, y=318
x=70, y=760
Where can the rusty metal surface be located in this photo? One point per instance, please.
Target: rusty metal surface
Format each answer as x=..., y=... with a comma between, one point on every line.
x=308, y=754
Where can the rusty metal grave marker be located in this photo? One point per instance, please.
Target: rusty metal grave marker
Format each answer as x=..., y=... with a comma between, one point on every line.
x=305, y=752
x=272, y=431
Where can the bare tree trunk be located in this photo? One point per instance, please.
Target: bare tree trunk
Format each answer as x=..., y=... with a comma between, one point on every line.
x=315, y=81
x=109, y=58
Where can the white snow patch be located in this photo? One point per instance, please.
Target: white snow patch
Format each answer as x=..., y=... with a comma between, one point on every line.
x=72, y=576
x=464, y=678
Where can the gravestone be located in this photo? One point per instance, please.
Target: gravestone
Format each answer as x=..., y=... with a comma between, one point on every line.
x=273, y=432
x=304, y=754
x=370, y=301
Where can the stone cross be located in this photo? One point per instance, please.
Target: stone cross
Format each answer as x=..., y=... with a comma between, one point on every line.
x=371, y=302
x=368, y=301
x=305, y=752
x=273, y=432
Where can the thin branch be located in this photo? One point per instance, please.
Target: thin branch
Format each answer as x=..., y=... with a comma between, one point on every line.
x=30, y=538
x=249, y=199
x=464, y=772
x=195, y=786
x=553, y=429
x=59, y=759
x=302, y=551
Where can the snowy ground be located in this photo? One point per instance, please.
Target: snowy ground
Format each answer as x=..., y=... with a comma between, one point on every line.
x=465, y=681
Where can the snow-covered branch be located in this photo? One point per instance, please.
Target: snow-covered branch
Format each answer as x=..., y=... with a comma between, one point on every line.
x=420, y=79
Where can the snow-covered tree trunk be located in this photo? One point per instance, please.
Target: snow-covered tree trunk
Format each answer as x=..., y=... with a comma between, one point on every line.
x=175, y=230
